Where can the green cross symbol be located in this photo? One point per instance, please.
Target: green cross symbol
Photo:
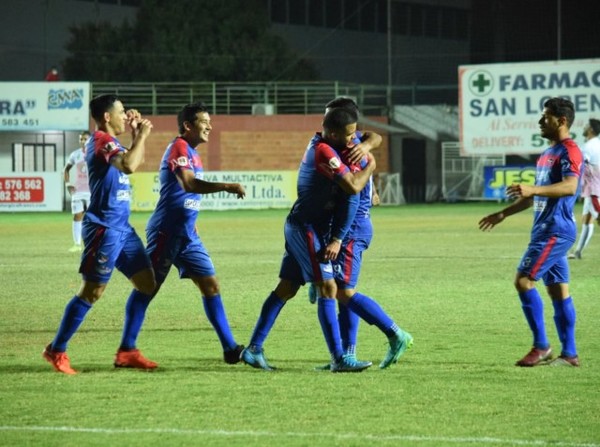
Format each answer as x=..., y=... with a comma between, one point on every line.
x=481, y=83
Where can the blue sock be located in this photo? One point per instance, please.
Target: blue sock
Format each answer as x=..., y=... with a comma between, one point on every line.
x=268, y=314
x=330, y=326
x=564, y=318
x=349, y=322
x=72, y=318
x=368, y=309
x=533, y=308
x=215, y=312
x=135, y=312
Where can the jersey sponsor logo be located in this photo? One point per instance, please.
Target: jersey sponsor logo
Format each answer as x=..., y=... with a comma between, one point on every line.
x=334, y=163
x=191, y=204
x=182, y=161
x=101, y=261
x=539, y=205
x=123, y=195
x=124, y=179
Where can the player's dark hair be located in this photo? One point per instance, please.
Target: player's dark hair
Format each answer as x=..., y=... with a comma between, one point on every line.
x=188, y=114
x=337, y=119
x=85, y=132
x=595, y=125
x=344, y=102
x=101, y=104
x=561, y=107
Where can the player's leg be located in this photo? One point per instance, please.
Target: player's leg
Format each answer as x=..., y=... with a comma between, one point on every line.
x=587, y=226
x=77, y=209
x=215, y=312
x=97, y=263
x=253, y=355
x=135, y=264
x=557, y=283
x=539, y=257
x=74, y=315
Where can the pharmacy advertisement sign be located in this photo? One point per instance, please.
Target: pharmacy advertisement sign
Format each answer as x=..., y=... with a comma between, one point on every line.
x=500, y=104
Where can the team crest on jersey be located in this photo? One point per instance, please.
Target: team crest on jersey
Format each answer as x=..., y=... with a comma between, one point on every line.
x=110, y=147
x=334, y=163
x=182, y=161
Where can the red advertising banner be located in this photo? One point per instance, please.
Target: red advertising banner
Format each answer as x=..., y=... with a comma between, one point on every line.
x=31, y=191
x=21, y=189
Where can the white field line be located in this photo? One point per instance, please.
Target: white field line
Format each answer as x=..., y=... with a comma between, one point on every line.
x=268, y=434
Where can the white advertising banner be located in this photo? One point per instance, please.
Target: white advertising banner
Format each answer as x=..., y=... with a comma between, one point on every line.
x=264, y=189
x=34, y=191
x=44, y=106
x=500, y=104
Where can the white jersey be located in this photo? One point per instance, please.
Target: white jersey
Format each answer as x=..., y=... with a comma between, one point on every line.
x=591, y=174
x=79, y=172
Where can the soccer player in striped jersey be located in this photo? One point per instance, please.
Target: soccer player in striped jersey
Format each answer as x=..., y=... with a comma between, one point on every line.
x=109, y=239
x=557, y=183
x=348, y=264
x=171, y=233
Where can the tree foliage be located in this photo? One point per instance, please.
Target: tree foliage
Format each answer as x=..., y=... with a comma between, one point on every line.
x=185, y=40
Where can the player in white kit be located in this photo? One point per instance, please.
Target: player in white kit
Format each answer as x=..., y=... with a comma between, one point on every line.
x=78, y=187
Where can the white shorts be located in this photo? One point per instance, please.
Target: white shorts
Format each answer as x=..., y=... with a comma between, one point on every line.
x=588, y=208
x=80, y=201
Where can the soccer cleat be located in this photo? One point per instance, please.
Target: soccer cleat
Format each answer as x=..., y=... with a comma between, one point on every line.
x=348, y=363
x=312, y=293
x=75, y=249
x=563, y=360
x=574, y=255
x=232, y=357
x=59, y=360
x=255, y=357
x=133, y=359
x=399, y=344
x=327, y=367
x=535, y=357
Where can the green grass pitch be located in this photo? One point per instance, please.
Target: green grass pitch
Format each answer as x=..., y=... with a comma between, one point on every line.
x=429, y=266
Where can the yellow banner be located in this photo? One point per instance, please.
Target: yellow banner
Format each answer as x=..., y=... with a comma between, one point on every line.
x=264, y=189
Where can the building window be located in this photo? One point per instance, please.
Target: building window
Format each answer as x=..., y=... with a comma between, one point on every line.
x=333, y=13
x=315, y=12
x=400, y=18
x=416, y=20
x=351, y=14
x=297, y=12
x=28, y=157
x=431, y=21
x=279, y=11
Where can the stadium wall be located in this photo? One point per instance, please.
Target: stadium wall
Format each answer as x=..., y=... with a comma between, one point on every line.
x=250, y=143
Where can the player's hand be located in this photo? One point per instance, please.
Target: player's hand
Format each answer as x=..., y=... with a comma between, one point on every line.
x=133, y=118
x=332, y=250
x=71, y=189
x=358, y=152
x=375, y=200
x=144, y=127
x=490, y=221
x=519, y=190
x=371, y=160
x=237, y=189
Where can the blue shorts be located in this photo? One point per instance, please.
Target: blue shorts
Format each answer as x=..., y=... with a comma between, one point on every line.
x=547, y=259
x=302, y=261
x=107, y=248
x=348, y=263
x=187, y=254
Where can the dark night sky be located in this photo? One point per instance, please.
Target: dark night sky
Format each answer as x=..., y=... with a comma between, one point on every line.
x=526, y=30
